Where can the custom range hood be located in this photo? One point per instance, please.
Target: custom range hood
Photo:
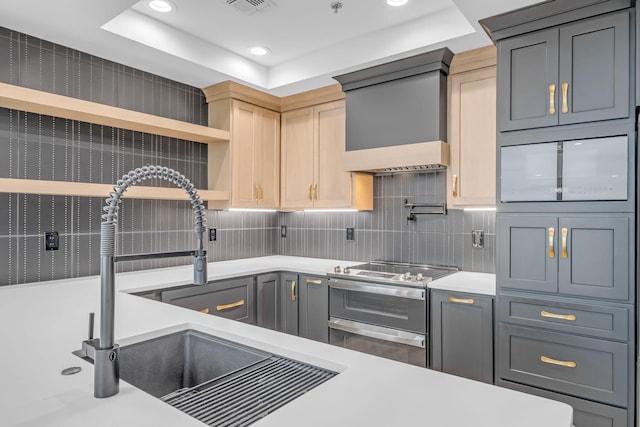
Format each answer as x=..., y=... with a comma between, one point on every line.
x=397, y=114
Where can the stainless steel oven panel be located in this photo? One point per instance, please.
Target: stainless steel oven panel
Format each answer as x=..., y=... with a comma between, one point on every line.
x=397, y=310
x=372, y=331
x=381, y=347
x=393, y=291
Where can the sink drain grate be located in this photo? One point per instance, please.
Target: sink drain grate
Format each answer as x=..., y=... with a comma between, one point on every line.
x=244, y=397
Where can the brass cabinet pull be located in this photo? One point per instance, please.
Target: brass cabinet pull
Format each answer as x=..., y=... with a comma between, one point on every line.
x=310, y=191
x=315, y=191
x=314, y=281
x=455, y=186
x=255, y=192
x=228, y=306
x=565, y=363
x=564, y=253
x=293, y=290
x=565, y=103
x=461, y=300
x=205, y=310
x=571, y=317
x=260, y=192
x=552, y=99
x=552, y=250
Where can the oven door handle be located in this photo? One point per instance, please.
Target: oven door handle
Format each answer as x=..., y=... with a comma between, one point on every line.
x=372, y=288
x=378, y=332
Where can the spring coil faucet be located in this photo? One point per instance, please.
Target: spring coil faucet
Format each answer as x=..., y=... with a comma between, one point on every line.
x=106, y=363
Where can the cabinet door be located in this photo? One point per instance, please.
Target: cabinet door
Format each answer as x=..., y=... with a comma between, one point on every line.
x=267, y=286
x=246, y=119
x=472, y=138
x=287, y=320
x=528, y=253
x=297, y=148
x=594, y=69
x=594, y=257
x=267, y=160
x=314, y=308
x=527, y=69
x=462, y=335
x=332, y=186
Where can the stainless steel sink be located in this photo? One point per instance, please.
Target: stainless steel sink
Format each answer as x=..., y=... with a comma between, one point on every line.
x=183, y=359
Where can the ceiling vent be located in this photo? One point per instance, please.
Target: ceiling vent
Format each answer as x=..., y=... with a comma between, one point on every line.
x=250, y=7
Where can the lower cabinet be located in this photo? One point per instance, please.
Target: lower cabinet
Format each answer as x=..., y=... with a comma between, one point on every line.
x=232, y=299
x=313, y=308
x=462, y=334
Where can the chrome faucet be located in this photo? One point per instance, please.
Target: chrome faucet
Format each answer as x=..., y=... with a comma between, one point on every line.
x=104, y=350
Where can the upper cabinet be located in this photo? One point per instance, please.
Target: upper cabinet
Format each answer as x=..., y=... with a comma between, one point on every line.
x=472, y=130
x=574, y=73
x=312, y=176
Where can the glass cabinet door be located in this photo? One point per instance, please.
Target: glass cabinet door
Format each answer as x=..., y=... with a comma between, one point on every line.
x=529, y=173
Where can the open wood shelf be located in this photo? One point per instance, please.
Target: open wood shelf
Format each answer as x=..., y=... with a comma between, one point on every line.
x=62, y=188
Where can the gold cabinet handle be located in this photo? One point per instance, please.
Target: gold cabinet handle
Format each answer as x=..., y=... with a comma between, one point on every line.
x=315, y=191
x=205, y=310
x=310, y=191
x=564, y=253
x=565, y=103
x=552, y=99
x=261, y=192
x=565, y=363
x=228, y=306
x=256, y=190
x=314, y=281
x=455, y=186
x=293, y=290
x=552, y=250
x=571, y=317
x=461, y=300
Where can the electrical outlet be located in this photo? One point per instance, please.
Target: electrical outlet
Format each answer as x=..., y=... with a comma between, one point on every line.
x=477, y=239
x=51, y=241
x=283, y=231
x=213, y=234
x=351, y=233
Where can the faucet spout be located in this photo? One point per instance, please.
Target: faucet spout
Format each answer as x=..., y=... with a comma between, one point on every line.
x=106, y=362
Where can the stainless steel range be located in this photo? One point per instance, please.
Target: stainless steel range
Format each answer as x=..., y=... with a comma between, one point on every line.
x=381, y=308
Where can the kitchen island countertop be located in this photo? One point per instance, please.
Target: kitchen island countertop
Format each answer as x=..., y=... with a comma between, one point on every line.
x=42, y=323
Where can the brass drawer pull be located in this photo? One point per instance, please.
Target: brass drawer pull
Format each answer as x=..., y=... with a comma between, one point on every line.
x=461, y=300
x=293, y=290
x=565, y=103
x=552, y=250
x=552, y=99
x=565, y=363
x=571, y=317
x=228, y=306
x=564, y=253
x=205, y=310
x=315, y=191
x=455, y=186
x=310, y=191
x=256, y=192
x=314, y=281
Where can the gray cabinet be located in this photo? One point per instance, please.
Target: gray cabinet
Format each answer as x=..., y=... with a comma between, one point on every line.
x=586, y=256
x=267, y=286
x=462, y=334
x=233, y=299
x=277, y=302
x=576, y=73
x=313, y=308
x=288, y=308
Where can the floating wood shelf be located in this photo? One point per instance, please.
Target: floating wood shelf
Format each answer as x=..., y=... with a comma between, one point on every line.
x=35, y=101
x=62, y=188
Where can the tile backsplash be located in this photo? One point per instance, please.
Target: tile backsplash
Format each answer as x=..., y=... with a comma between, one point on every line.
x=41, y=147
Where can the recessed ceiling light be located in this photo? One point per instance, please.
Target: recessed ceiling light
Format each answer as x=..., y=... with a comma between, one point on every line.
x=397, y=2
x=163, y=6
x=259, y=50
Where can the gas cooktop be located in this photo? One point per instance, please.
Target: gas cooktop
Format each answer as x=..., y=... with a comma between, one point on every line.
x=393, y=273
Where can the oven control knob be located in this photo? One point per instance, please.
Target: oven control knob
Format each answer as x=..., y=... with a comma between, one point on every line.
x=407, y=276
x=419, y=276
x=346, y=270
x=337, y=269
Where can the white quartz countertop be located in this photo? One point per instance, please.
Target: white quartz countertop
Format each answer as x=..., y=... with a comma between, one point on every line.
x=41, y=324
x=467, y=282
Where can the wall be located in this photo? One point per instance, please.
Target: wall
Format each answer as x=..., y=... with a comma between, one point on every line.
x=41, y=147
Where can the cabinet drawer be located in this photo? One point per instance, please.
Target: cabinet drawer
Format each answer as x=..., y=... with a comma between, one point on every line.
x=232, y=299
x=586, y=319
x=584, y=367
x=585, y=413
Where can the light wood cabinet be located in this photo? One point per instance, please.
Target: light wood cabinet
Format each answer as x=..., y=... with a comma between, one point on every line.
x=253, y=154
x=472, y=129
x=312, y=147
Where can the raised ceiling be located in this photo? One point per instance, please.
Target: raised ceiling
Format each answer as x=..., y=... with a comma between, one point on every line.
x=204, y=42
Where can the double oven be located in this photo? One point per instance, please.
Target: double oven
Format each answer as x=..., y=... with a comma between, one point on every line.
x=381, y=308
